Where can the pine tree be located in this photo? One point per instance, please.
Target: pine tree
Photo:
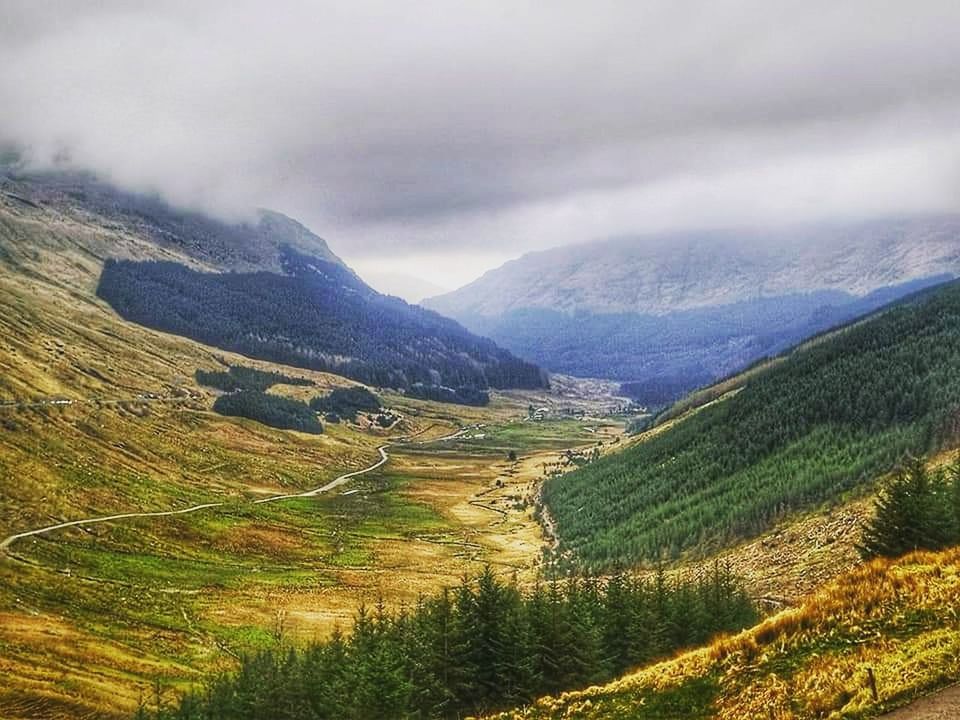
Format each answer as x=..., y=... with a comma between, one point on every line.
x=953, y=472
x=912, y=513
x=487, y=647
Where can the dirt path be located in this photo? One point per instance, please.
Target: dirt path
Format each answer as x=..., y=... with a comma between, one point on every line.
x=7, y=542
x=384, y=457
x=143, y=398
x=336, y=482
x=943, y=705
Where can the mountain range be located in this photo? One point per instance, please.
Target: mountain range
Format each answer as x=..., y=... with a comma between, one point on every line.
x=667, y=313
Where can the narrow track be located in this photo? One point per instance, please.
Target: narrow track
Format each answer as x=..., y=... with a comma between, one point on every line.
x=336, y=482
x=7, y=542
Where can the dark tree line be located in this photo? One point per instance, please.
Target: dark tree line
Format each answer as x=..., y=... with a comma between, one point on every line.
x=830, y=416
x=237, y=377
x=317, y=315
x=347, y=402
x=918, y=509
x=273, y=410
x=481, y=647
x=459, y=395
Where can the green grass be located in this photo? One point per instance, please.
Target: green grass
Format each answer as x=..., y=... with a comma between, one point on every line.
x=558, y=434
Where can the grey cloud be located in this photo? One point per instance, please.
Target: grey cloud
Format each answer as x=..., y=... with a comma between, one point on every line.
x=515, y=125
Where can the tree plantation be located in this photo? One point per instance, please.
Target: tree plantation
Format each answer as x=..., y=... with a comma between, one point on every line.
x=273, y=410
x=484, y=646
x=347, y=402
x=832, y=415
x=317, y=315
x=237, y=377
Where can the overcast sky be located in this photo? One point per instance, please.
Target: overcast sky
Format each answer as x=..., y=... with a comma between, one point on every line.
x=438, y=139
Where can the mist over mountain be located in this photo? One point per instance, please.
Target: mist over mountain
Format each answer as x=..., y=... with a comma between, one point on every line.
x=266, y=287
x=670, y=312
x=249, y=243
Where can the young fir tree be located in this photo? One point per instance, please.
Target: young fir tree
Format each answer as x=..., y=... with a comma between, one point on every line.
x=953, y=473
x=912, y=513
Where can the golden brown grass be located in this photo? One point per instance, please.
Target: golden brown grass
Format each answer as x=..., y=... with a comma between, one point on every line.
x=899, y=619
x=90, y=616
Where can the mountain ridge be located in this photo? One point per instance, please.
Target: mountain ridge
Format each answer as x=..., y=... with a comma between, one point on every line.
x=669, y=313
x=271, y=289
x=241, y=246
x=705, y=260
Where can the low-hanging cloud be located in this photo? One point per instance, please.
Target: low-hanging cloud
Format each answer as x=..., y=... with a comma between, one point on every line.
x=450, y=129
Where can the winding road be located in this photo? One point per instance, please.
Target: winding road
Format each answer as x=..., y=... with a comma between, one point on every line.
x=336, y=482
x=8, y=541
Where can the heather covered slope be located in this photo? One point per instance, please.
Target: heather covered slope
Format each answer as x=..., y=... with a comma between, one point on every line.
x=895, y=618
x=830, y=417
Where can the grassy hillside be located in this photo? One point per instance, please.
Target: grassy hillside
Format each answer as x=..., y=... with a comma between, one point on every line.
x=829, y=417
x=92, y=616
x=895, y=618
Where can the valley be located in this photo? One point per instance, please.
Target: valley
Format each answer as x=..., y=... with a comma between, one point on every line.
x=479, y=361
x=668, y=313
x=164, y=597
x=226, y=536
x=151, y=542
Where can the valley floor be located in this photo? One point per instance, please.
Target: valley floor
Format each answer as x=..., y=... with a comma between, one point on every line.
x=94, y=614
x=100, y=417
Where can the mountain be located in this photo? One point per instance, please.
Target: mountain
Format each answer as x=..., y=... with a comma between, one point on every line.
x=801, y=431
x=315, y=314
x=410, y=288
x=272, y=290
x=242, y=246
x=671, y=312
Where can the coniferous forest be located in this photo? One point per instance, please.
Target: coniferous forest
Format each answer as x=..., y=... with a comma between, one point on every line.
x=917, y=509
x=273, y=410
x=317, y=315
x=347, y=402
x=831, y=416
x=481, y=647
x=237, y=377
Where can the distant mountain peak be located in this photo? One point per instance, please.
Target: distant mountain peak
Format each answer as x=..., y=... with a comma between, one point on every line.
x=667, y=313
x=658, y=274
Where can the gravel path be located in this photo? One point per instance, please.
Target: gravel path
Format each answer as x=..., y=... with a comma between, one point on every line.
x=346, y=477
x=943, y=705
